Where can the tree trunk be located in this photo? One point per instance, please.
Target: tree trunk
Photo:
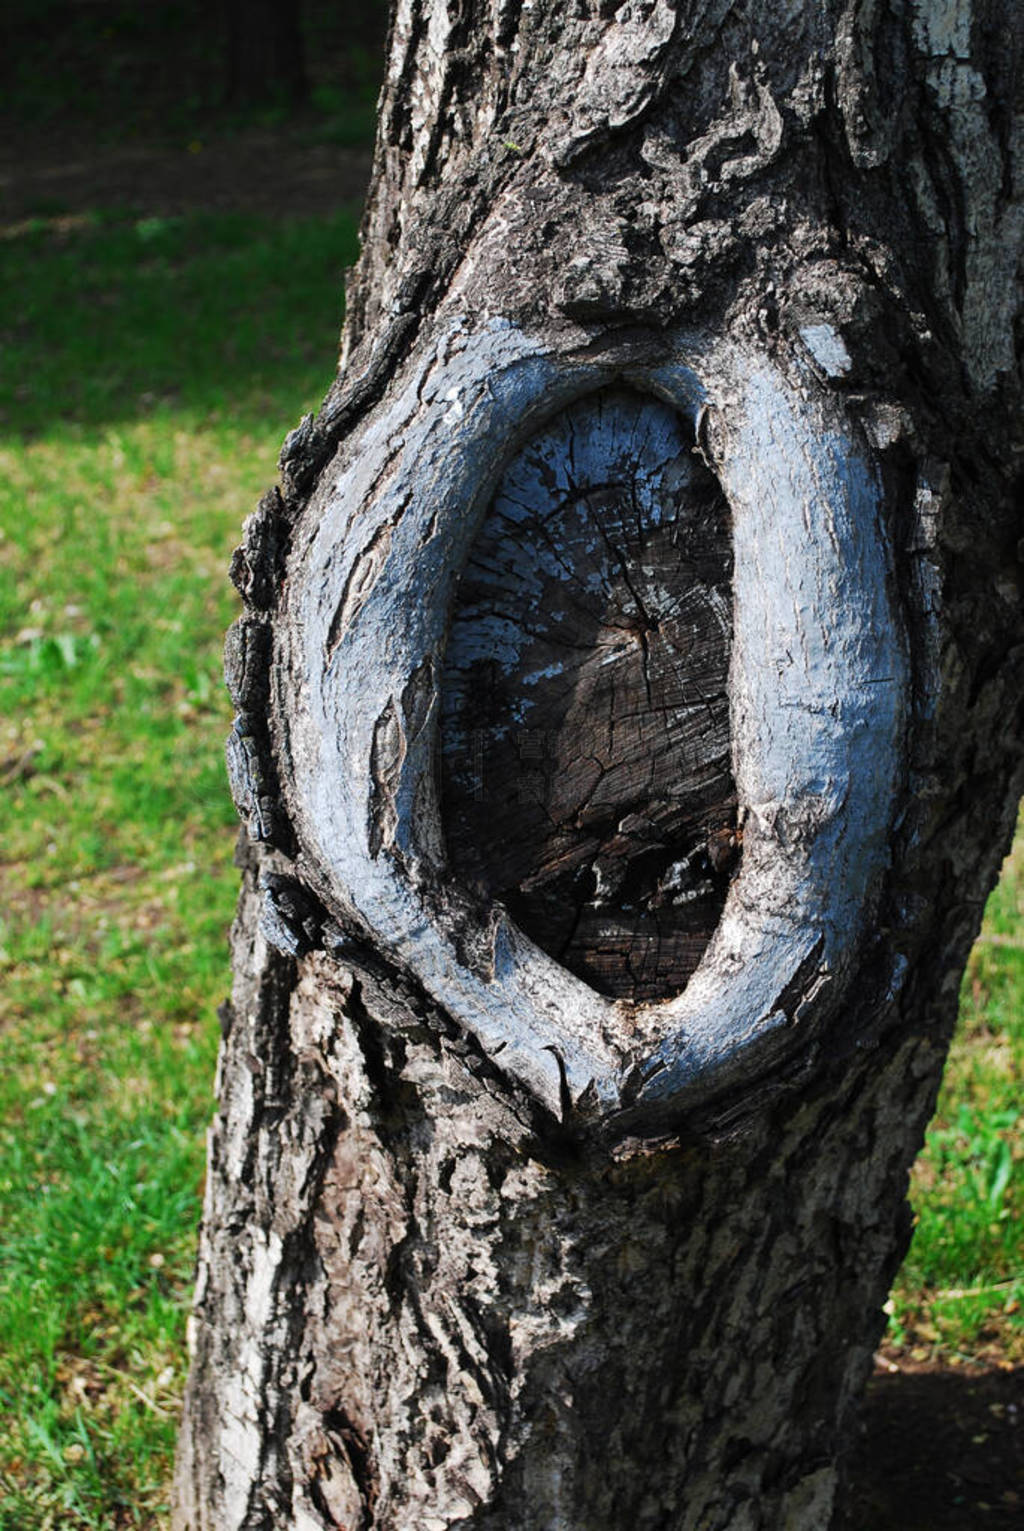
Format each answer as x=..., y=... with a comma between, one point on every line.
x=630, y=713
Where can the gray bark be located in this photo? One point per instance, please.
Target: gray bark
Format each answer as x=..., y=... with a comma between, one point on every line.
x=566, y=1113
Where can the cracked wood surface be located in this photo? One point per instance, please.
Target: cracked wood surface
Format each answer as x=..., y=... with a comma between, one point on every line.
x=584, y=707
x=429, y=1294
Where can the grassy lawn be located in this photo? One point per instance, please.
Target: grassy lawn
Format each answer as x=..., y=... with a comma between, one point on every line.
x=960, y=1294
x=149, y=370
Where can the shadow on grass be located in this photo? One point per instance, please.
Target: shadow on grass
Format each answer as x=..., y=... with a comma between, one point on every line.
x=110, y=318
x=939, y=1451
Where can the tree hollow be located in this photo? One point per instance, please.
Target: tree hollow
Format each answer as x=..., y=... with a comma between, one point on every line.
x=585, y=749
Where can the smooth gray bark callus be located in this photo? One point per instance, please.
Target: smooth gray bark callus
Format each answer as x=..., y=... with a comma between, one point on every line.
x=489, y=423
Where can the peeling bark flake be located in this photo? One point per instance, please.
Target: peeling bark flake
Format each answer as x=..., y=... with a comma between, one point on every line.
x=366, y=570
x=386, y=757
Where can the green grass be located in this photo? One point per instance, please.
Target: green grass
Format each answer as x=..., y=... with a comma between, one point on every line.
x=960, y=1293
x=149, y=370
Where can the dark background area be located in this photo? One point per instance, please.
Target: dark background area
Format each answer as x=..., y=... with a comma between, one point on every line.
x=169, y=107
x=168, y=69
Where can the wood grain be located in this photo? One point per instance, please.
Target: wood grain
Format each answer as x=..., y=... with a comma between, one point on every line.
x=585, y=719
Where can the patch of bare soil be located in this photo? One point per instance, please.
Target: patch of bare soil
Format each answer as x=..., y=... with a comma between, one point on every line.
x=939, y=1449
x=276, y=174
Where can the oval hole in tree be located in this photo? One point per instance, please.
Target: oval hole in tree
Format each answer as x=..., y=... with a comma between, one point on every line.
x=586, y=771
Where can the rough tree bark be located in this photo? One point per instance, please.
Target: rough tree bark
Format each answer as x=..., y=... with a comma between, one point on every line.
x=629, y=730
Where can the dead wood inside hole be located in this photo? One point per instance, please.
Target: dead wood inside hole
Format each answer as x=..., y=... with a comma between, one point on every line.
x=585, y=759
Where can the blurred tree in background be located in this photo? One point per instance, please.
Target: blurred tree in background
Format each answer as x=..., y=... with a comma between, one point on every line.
x=163, y=67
